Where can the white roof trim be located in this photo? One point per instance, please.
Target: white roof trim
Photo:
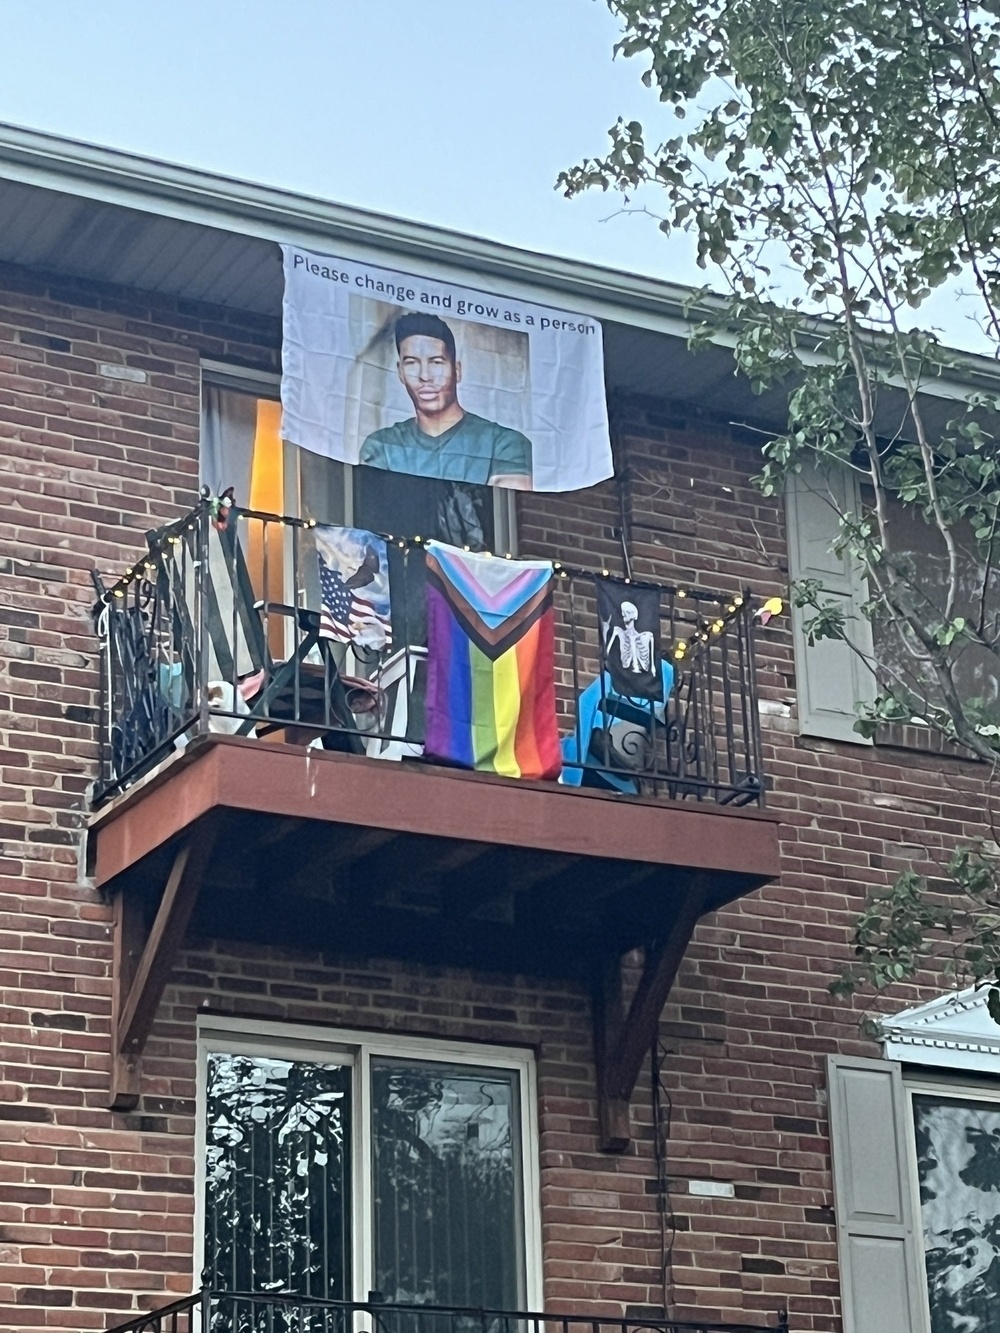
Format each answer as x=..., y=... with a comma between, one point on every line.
x=954, y=1031
x=167, y=190
x=164, y=189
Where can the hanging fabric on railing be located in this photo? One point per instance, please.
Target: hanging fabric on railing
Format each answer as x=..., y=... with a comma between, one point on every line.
x=490, y=664
x=354, y=587
x=630, y=637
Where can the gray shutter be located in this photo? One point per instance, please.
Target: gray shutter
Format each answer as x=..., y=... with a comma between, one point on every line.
x=881, y=1272
x=830, y=676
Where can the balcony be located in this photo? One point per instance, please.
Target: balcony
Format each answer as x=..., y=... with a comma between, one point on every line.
x=259, y=780
x=273, y=1312
x=220, y=632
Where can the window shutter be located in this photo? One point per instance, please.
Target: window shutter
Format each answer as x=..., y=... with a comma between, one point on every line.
x=880, y=1268
x=830, y=676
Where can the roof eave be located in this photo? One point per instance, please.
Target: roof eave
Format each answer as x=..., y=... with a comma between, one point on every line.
x=112, y=176
x=165, y=189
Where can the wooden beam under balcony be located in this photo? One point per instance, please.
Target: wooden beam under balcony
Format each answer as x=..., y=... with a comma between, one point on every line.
x=142, y=959
x=623, y=1038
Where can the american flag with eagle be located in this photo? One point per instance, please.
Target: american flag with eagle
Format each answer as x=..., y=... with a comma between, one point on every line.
x=354, y=587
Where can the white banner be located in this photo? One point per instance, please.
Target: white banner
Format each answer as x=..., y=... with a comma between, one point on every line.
x=427, y=377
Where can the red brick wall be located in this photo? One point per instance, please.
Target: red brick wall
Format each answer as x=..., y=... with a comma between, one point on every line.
x=96, y=1208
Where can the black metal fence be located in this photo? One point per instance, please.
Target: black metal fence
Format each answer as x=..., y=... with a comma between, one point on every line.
x=272, y=1312
x=220, y=629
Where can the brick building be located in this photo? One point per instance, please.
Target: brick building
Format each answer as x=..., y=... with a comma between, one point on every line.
x=432, y=954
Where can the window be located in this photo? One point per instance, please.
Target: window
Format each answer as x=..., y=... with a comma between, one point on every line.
x=921, y=551
x=345, y=1164
x=956, y=1153
x=242, y=447
x=916, y=1172
x=831, y=677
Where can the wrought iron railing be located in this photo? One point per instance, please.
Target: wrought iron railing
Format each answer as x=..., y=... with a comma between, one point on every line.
x=219, y=630
x=275, y=1312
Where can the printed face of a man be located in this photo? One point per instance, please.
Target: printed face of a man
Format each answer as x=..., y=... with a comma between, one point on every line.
x=428, y=373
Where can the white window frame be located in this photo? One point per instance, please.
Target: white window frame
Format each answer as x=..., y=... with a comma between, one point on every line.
x=267, y=384
x=355, y=1049
x=945, y=1087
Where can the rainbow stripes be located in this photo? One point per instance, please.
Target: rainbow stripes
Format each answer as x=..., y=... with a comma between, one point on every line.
x=490, y=682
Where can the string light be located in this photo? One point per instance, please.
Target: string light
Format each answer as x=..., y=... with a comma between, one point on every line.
x=727, y=607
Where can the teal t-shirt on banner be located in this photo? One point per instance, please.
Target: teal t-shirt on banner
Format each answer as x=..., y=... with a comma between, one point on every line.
x=473, y=450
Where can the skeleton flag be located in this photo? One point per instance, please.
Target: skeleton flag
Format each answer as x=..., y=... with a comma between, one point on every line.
x=629, y=619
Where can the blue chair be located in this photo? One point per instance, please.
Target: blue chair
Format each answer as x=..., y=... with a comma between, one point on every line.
x=600, y=710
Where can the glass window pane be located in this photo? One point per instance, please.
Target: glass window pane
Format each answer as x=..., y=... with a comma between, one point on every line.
x=241, y=447
x=277, y=1185
x=320, y=485
x=411, y=506
x=958, y=1168
x=448, y=1196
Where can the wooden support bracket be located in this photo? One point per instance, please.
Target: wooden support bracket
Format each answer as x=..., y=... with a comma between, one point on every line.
x=142, y=961
x=622, y=1040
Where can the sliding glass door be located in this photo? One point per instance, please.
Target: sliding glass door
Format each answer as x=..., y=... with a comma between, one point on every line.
x=277, y=1176
x=446, y=1175
x=399, y=1176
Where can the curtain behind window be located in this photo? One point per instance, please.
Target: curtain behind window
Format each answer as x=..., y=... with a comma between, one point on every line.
x=228, y=426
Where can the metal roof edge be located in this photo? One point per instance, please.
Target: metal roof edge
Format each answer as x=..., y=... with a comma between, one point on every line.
x=110, y=175
x=166, y=189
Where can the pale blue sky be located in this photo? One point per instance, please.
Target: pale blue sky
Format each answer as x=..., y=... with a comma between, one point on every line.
x=455, y=112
